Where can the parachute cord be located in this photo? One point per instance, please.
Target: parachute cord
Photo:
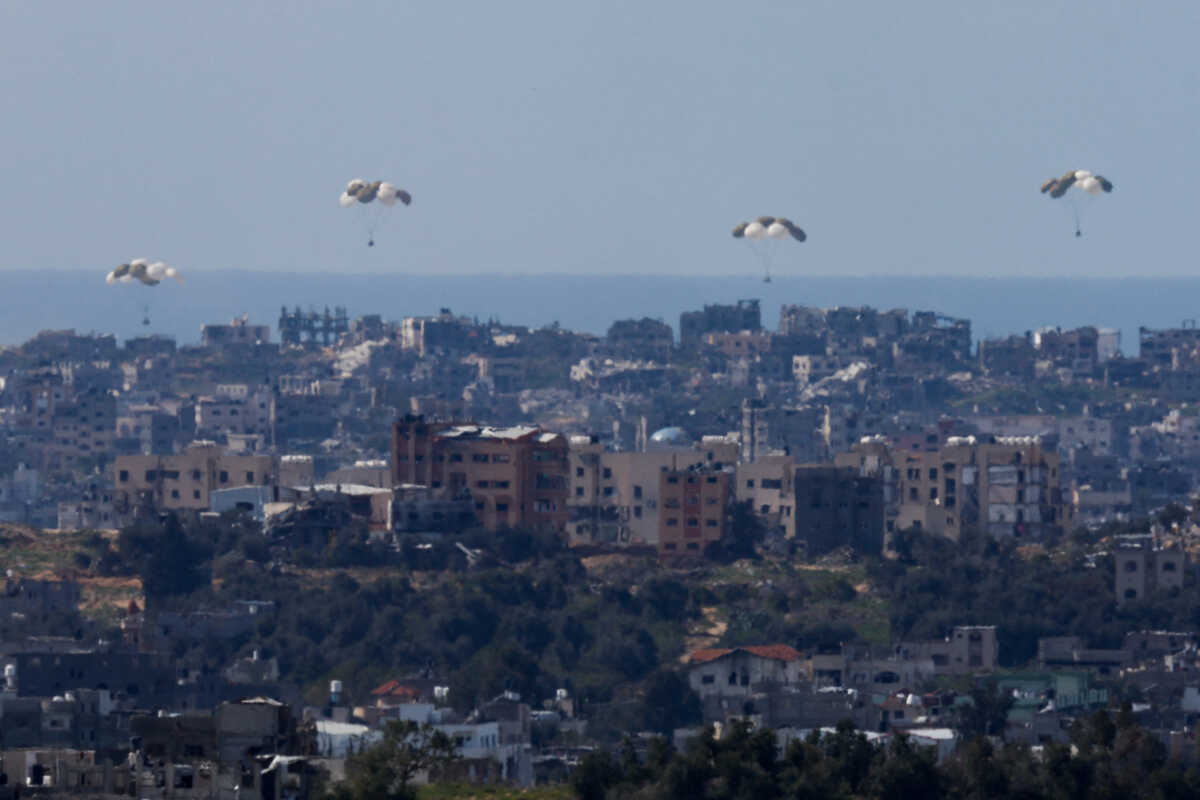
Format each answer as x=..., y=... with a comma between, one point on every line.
x=1075, y=208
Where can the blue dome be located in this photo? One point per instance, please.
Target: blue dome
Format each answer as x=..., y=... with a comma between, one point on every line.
x=671, y=436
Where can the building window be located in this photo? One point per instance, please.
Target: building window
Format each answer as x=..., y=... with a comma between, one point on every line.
x=500, y=458
x=249, y=477
x=693, y=545
x=124, y=476
x=637, y=512
x=195, y=494
x=637, y=493
x=502, y=506
x=608, y=491
x=481, y=484
x=693, y=522
x=479, y=458
x=672, y=479
x=579, y=491
x=673, y=522
x=1131, y=566
x=455, y=458
x=195, y=474
x=224, y=477
x=607, y=473
x=706, y=679
x=579, y=472
x=710, y=523
x=174, y=494
x=500, y=484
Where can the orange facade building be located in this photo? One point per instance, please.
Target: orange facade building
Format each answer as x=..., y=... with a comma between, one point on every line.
x=694, y=509
x=516, y=476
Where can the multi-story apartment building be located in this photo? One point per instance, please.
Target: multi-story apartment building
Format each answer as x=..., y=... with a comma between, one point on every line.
x=836, y=507
x=695, y=510
x=614, y=496
x=1003, y=486
x=769, y=428
x=443, y=333
x=239, y=331
x=84, y=427
x=769, y=485
x=640, y=338
x=34, y=397
x=872, y=457
x=1077, y=349
x=1143, y=569
x=1011, y=356
x=738, y=344
x=185, y=480
x=146, y=429
x=236, y=409
x=1163, y=348
x=810, y=369
x=517, y=476
x=744, y=316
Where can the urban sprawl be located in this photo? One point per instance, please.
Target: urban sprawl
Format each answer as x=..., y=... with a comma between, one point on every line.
x=525, y=556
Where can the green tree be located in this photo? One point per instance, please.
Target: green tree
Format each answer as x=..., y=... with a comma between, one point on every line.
x=596, y=774
x=986, y=714
x=386, y=769
x=669, y=703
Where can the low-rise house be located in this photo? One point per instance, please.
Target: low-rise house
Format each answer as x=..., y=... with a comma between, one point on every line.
x=739, y=671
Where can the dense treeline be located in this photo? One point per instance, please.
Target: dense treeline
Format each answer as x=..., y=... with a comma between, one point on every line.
x=521, y=613
x=1109, y=756
x=935, y=584
x=526, y=617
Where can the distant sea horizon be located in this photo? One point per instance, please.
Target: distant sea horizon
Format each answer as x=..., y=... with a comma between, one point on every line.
x=32, y=301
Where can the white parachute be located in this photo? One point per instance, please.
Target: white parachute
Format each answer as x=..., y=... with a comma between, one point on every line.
x=763, y=236
x=1082, y=179
x=145, y=272
x=361, y=192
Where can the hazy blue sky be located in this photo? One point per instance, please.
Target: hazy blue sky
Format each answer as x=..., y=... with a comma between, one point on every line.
x=907, y=138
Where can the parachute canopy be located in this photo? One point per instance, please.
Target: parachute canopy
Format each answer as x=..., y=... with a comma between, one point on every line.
x=763, y=235
x=361, y=191
x=151, y=273
x=1082, y=178
x=769, y=228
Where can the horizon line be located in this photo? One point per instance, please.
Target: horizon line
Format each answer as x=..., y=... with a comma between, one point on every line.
x=672, y=276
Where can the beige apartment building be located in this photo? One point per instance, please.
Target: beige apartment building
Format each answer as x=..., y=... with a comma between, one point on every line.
x=185, y=480
x=614, y=496
x=85, y=426
x=769, y=485
x=1002, y=486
